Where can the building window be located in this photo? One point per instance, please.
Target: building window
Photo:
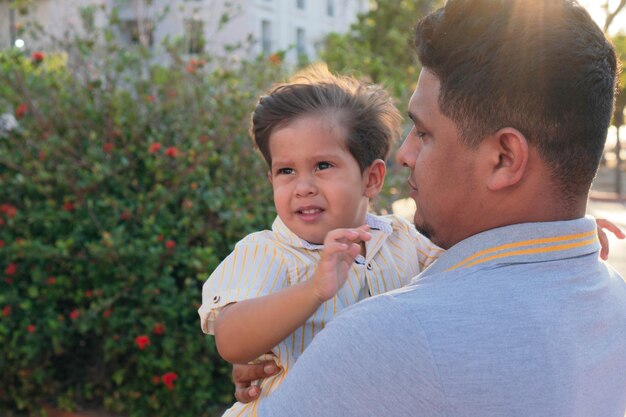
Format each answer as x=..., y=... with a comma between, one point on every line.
x=137, y=32
x=194, y=35
x=330, y=8
x=300, y=4
x=300, y=42
x=266, y=36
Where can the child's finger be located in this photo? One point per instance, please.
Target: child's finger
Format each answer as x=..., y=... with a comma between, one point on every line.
x=604, y=244
x=353, y=235
x=338, y=246
x=611, y=227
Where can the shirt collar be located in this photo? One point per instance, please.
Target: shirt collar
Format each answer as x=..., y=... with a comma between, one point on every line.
x=381, y=224
x=521, y=243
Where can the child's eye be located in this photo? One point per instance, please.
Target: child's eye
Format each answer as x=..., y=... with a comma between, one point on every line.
x=284, y=171
x=323, y=165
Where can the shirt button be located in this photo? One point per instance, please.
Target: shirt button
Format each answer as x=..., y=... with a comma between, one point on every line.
x=369, y=266
x=216, y=299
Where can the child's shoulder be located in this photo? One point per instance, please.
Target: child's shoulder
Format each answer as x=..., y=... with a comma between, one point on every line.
x=264, y=239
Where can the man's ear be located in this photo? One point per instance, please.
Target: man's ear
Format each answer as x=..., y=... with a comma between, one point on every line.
x=374, y=177
x=508, y=156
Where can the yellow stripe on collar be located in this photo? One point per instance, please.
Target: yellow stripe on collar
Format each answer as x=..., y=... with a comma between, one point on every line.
x=470, y=261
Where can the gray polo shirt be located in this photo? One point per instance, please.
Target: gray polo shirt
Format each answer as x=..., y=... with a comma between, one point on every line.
x=523, y=320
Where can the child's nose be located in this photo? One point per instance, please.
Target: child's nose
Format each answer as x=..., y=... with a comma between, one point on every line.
x=305, y=187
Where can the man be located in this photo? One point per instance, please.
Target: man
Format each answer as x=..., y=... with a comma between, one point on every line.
x=519, y=317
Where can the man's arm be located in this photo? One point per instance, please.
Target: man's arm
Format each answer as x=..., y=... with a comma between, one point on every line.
x=250, y=328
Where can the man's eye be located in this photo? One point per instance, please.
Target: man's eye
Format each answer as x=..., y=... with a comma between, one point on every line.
x=284, y=171
x=419, y=134
x=323, y=165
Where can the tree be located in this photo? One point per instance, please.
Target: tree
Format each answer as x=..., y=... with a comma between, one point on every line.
x=619, y=41
x=379, y=45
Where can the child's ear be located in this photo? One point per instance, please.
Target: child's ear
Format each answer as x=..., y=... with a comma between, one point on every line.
x=374, y=177
x=269, y=177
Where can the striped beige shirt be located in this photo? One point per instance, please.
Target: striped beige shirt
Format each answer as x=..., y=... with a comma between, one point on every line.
x=266, y=261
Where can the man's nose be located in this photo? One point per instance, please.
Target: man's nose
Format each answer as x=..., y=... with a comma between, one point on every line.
x=407, y=153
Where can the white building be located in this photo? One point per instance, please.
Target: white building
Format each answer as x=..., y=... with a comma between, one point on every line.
x=260, y=26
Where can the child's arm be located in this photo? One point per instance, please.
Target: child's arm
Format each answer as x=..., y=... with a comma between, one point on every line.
x=604, y=240
x=250, y=328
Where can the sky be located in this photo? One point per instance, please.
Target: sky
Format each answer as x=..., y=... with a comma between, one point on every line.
x=598, y=13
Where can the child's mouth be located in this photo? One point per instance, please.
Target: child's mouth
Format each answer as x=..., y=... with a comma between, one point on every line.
x=309, y=213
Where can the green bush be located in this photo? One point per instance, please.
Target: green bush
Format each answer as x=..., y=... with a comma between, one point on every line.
x=124, y=185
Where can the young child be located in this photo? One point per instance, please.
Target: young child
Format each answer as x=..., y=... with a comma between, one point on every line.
x=325, y=139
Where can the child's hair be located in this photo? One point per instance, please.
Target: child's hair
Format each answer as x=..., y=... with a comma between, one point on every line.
x=365, y=111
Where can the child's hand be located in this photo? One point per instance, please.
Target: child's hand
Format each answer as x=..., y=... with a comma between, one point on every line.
x=341, y=246
x=604, y=241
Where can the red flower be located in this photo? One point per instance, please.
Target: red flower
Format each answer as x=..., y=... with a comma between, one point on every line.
x=38, y=56
x=142, y=341
x=168, y=379
x=1, y=243
x=125, y=215
x=275, y=59
x=156, y=379
x=160, y=238
x=31, y=328
x=106, y=313
x=191, y=66
x=10, y=269
x=107, y=147
x=21, y=110
x=6, y=311
x=172, y=151
x=51, y=280
x=89, y=293
x=69, y=206
x=170, y=244
x=8, y=280
x=42, y=155
x=8, y=209
x=154, y=148
x=150, y=98
x=159, y=329
x=74, y=314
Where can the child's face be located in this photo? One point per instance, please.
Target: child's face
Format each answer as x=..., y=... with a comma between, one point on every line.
x=318, y=186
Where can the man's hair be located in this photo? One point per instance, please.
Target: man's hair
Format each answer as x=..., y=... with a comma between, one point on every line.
x=542, y=67
x=365, y=112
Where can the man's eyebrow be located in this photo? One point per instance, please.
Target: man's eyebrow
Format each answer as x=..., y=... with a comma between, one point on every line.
x=416, y=120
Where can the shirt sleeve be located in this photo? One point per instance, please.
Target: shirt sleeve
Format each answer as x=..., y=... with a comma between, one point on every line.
x=364, y=363
x=252, y=270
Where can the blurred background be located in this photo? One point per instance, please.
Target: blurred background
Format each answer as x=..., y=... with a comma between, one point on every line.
x=127, y=174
